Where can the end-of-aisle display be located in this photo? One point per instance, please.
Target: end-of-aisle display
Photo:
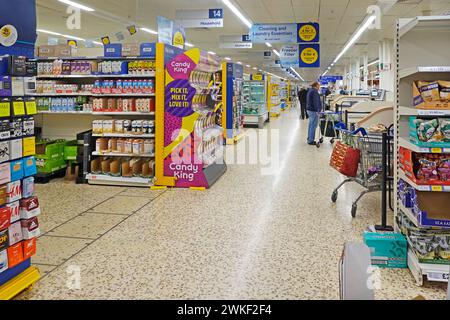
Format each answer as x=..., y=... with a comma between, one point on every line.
x=232, y=109
x=273, y=96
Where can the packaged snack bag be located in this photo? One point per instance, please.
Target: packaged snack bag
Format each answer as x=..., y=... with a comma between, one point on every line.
x=428, y=170
x=444, y=169
x=444, y=88
x=429, y=90
x=444, y=125
x=426, y=129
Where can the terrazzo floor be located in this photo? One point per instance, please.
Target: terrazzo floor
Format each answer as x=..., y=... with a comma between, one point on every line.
x=251, y=236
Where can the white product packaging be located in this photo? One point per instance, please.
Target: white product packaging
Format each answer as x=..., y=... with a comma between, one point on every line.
x=13, y=191
x=15, y=233
x=15, y=149
x=15, y=211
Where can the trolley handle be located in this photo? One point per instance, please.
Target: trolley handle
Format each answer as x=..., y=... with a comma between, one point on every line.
x=343, y=128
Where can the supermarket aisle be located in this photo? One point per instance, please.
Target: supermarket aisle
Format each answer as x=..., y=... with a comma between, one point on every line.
x=250, y=237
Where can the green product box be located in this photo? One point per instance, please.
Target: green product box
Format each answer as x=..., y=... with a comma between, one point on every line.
x=388, y=250
x=49, y=166
x=71, y=150
x=50, y=149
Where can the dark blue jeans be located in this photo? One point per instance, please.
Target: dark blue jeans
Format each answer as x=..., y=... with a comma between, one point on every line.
x=313, y=122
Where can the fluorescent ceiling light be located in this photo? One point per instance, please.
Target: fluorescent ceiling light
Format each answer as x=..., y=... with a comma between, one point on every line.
x=297, y=73
x=49, y=32
x=212, y=52
x=227, y=58
x=268, y=44
x=255, y=68
x=77, y=5
x=239, y=62
x=237, y=13
x=325, y=73
x=72, y=37
x=149, y=30
x=276, y=52
x=371, y=64
x=97, y=43
x=189, y=44
x=248, y=66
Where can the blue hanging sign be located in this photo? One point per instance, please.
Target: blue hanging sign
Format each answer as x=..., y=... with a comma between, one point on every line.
x=309, y=55
x=308, y=32
x=206, y=18
x=274, y=33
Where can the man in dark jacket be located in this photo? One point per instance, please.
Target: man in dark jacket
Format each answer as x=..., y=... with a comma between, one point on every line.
x=313, y=107
x=302, y=97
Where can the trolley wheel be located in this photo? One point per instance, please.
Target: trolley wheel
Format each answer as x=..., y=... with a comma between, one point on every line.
x=334, y=196
x=321, y=140
x=332, y=141
x=354, y=208
x=318, y=145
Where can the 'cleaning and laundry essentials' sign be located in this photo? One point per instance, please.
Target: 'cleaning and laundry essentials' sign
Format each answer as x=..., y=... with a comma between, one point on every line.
x=285, y=33
x=207, y=18
x=309, y=55
x=289, y=56
x=235, y=42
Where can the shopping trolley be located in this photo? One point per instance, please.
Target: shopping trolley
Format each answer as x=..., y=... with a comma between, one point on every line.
x=376, y=159
x=327, y=122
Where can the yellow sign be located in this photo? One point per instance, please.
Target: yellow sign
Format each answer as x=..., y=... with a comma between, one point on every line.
x=257, y=77
x=178, y=39
x=307, y=33
x=31, y=107
x=309, y=55
x=436, y=150
x=19, y=108
x=106, y=41
x=5, y=109
x=72, y=43
x=437, y=188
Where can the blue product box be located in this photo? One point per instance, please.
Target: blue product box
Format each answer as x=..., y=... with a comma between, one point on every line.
x=29, y=166
x=113, y=50
x=148, y=49
x=388, y=250
x=17, y=170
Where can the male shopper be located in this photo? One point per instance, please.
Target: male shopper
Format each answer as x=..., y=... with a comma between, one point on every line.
x=313, y=107
x=302, y=97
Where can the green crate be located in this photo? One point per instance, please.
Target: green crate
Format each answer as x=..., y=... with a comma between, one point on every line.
x=71, y=150
x=49, y=166
x=50, y=149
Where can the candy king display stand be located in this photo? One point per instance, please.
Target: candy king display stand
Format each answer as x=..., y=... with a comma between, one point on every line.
x=232, y=114
x=189, y=136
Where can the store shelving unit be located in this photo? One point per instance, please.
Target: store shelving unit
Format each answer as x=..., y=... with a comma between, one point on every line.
x=233, y=101
x=273, y=97
x=255, y=107
x=421, y=55
x=55, y=123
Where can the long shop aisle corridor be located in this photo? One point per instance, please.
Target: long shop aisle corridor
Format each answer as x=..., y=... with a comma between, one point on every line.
x=253, y=235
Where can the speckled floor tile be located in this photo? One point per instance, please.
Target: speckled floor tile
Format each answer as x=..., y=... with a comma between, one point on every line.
x=142, y=192
x=88, y=225
x=44, y=269
x=56, y=250
x=253, y=235
x=121, y=204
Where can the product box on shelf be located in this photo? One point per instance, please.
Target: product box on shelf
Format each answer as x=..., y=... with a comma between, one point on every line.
x=28, y=187
x=28, y=127
x=14, y=191
x=113, y=50
x=3, y=261
x=29, y=248
x=425, y=168
x=387, y=250
x=5, y=218
x=30, y=228
x=4, y=151
x=429, y=208
x=64, y=50
x=46, y=51
x=17, y=172
x=15, y=255
x=29, y=208
x=148, y=49
x=16, y=128
x=29, y=166
x=29, y=146
x=5, y=129
x=15, y=149
x=130, y=50
x=5, y=173
x=15, y=211
x=431, y=95
x=3, y=195
x=430, y=132
x=15, y=233
x=11, y=86
x=4, y=239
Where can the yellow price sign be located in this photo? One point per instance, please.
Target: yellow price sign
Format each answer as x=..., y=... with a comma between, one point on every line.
x=178, y=39
x=19, y=108
x=437, y=188
x=309, y=55
x=436, y=150
x=5, y=109
x=257, y=77
x=31, y=107
x=307, y=33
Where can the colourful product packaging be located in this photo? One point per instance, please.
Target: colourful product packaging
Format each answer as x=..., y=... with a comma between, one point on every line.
x=29, y=248
x=388, y=250
x=16, y=170
x=15, y=211
x=30, y=228
x=15, y=233
x=15, y=255
x=13, y=191
x=4, y=239
x=29, y=208
x=5, y=218
x=29, y=166
x=5, y=173
x=28, y=187
x=3, y=261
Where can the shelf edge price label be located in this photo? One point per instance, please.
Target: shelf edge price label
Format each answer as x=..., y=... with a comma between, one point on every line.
x=437, y=188
x=436, y=150
x=5, y=109
x=31, y=107
x=19, y=108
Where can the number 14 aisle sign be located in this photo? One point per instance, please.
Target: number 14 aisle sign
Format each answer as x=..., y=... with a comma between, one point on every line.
x=207, y=18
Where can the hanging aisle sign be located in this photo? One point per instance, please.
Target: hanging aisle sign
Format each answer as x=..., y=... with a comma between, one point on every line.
x=235, y=42
x=289, y=56
x=309, y=55
x=208, y=18
x=171, y=32
x=308, y=32
x=274, y=33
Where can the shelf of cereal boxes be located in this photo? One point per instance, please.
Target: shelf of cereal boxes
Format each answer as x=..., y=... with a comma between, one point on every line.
x=102, y=179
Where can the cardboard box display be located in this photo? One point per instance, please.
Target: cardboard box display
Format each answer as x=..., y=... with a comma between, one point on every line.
x=29, y=146
x=5, y=174
x=113, y=50
x=13, y=191
x=15, y=255
x=388, y=250
x=15, y=149
x=14, y=207
x=16, y=170
x=29, y=248
x=3, y=261
x=5, y=218
x=29, y=208
x=4, y=239
x=30, y=228
x=130, y=50
x=15, y=233
x=148, y=49
x=28, y=187
x=46, y=51
x=4, y=151
x=64, y=50
x=420, y=103
x=29, y=166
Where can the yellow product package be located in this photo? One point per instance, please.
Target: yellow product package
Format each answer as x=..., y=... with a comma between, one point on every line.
x=444, y=88
x=429, y=91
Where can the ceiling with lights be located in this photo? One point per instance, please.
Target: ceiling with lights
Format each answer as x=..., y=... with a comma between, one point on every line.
x=339, y=19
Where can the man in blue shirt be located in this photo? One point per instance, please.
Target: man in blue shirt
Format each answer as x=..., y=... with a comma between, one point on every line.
x=313, y=107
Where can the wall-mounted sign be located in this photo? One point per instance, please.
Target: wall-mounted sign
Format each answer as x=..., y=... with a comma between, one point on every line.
x=309, y=55
x=289, y=56
x=308, y=32
x=235, y=42
x=171, y=32
x=329, y=79
x=8, y=35
x=207, y=18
